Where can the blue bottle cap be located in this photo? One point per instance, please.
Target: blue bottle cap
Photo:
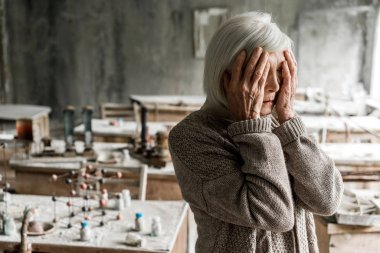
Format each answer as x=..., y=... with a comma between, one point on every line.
x=139, y=215
x=84, y=224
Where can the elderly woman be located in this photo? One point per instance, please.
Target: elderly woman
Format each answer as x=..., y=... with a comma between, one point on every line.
x=244, y=161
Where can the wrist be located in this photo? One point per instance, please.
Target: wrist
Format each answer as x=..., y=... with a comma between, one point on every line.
x=285, y=116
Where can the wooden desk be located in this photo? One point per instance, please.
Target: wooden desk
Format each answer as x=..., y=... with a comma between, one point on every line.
x=336, y=238
x=309, y=107
x=38, y=114
x=362, y=159
x=343, y=129
x=103, y=131
x=169, y=100
x=364, y=156
x=33, y=176
x=107, y=239
x=168, y=107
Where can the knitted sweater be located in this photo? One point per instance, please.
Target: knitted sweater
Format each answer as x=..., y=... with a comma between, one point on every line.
x=253, y=185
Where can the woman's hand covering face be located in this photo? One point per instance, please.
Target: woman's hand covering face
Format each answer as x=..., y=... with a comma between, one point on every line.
x=286, y=95
x=244, y=88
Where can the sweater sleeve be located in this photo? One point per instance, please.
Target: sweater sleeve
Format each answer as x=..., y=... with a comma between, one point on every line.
x=250, y=189
x=316, y=181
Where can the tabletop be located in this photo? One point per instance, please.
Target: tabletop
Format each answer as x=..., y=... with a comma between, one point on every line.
x=341, y=124
x=169, y=100
x=108, y=238
x=353, y=153
x=127, y=128
x=73, y=163
x=14, y=112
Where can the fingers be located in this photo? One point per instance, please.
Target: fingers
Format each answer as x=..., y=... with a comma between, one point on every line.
x=237, y=68
x=293, y=70
x=252, y=63
x=257, y=104
x=286, y=88
x=286, y=75
x=226, y=82
x=260, y=67
x=261, y=70
x=292, y=55
x=291, y=63
x=263, y=78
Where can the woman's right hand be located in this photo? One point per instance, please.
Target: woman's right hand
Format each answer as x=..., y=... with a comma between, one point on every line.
x=244, y=88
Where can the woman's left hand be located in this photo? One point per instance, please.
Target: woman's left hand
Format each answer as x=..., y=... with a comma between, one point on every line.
x=286, y=96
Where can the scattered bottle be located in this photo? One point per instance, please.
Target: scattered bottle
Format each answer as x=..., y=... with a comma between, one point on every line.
x=139, y=222
x=156, y=226
x=85, y=231
x=126, y=197
x=9, y=225
x=119, y=203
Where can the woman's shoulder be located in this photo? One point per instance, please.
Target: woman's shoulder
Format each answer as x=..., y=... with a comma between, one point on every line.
x=197, y=126
x=199, y=143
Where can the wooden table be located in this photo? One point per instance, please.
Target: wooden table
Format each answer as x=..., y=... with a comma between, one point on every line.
x=336, y=238
x=365, y=156
x=33, y=175
x=104, y=131
x=34, y=178
x=309, y=107
x=359, y=163
x=38, y=114
x=344, y=129
x=167, y=107
x=148, y=100
x=109, y=238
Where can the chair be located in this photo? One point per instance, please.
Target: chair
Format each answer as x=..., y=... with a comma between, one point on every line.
x=133, y=178
x=116, y=111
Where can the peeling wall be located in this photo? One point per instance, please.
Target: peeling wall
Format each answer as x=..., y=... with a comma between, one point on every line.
x=334, y=48
x=88, y=52
x=336, y=40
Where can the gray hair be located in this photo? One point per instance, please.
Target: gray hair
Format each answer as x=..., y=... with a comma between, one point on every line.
x=242, y=32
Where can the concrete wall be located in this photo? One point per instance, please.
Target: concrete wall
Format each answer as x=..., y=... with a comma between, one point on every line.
x=88, y=52
x=335, y=49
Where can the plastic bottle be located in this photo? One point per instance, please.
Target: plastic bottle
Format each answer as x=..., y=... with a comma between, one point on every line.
x=126, y=197
x=9, y=225
x=156, y=226
x=139, y=222
x=119, y=203
x=85, y=231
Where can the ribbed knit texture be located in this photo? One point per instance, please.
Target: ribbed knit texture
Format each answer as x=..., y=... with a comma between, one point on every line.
x=253, y=185
x=250, y=126
x=289, y=130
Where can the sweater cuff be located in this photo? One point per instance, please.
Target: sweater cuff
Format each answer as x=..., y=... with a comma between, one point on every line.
x=290, y=130
x=250, y=126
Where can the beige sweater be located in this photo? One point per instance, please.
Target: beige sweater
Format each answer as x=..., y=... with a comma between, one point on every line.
x=253, y=185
